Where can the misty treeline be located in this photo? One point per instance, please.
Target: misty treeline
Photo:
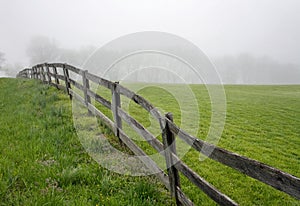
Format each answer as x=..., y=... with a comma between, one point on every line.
x=41, y=49
x=240, y=69
x=248, y=69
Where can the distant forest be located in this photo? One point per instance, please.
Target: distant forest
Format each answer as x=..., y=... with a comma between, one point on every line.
x=241, y=69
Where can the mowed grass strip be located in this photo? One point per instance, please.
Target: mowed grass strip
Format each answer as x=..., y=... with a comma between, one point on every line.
x=43, y=163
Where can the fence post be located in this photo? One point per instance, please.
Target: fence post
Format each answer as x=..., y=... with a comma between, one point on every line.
x=43, y=73
x=48, y=74
x=39, y=73
x=86, y=86
x=169, y=148
x=68, y=85
x=34, y=72
x=29, y=73
x=55, y=74
x=116, y=102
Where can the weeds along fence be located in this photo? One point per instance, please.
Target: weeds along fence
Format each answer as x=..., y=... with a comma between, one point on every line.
x=58, y=75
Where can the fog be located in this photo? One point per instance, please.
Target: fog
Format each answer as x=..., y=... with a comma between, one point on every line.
x=250, y=41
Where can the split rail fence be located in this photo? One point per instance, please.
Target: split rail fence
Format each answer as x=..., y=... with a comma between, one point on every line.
x=58, y=75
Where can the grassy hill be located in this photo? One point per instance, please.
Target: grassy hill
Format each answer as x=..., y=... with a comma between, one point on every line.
x=43, y=163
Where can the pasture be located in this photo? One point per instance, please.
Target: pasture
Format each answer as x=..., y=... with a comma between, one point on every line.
x=43, y=163
x=262, y=123
x=42, y=160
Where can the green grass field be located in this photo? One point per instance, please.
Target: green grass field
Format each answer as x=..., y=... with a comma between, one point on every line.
x=43, y=163
x=262, y=122
x=40, y=166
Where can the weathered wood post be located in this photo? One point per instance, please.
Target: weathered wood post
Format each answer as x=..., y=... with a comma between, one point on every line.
x=34, y=72
x=48, y=74
x=86, y=86
x=43, y=76
x=55, y=76
x=116, y=102
x=169, y=148
x=67, y=82
x=25, y=73
x=30, y=73
x=39, y=72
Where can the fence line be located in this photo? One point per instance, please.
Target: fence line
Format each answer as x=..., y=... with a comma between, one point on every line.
x=49, y=74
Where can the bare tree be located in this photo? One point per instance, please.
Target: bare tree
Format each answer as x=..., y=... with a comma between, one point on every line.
x=41, y=49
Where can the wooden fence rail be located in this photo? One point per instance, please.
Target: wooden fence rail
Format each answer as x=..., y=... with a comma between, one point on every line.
x=48, y=73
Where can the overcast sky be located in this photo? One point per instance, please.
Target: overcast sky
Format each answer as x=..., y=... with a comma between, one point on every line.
x=218, y=27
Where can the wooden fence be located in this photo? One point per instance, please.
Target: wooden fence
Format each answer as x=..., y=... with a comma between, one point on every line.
x=48, y=73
